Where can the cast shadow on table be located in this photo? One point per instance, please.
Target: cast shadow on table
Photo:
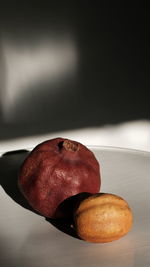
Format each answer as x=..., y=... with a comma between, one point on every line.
x=10, y=163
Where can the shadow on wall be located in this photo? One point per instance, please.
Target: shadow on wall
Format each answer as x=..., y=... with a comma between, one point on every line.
x=64, y=71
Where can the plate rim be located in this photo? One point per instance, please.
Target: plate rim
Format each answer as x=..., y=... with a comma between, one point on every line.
x=120, y=149
x=93, y=147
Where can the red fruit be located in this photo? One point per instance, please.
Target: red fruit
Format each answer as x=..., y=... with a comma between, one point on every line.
x=55, y=170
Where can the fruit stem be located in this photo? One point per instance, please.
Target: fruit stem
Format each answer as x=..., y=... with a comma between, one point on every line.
x=70, y=146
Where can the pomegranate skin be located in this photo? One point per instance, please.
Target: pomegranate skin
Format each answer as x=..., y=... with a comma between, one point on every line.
x=56, y=170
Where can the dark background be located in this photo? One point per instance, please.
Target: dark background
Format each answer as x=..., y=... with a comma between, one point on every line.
x=112, y=80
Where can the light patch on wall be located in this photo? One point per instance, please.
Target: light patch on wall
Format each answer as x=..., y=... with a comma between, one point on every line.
x=27, y=63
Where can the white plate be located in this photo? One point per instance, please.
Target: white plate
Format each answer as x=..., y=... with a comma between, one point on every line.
x=27, y=239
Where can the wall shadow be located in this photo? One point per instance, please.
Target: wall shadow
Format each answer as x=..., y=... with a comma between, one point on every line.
x=112, y=82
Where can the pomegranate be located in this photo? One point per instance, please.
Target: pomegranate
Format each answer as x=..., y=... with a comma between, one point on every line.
x=56, y=170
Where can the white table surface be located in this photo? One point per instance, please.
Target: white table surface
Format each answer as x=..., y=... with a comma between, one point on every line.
x=28, y=240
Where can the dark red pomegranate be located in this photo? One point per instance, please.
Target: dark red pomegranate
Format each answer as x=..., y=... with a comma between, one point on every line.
x=56, y=170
